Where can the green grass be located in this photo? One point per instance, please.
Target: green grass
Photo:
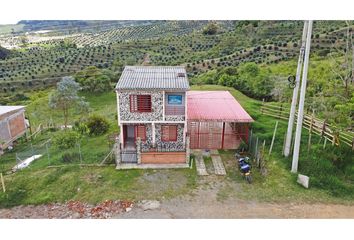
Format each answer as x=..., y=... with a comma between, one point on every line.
x=328, y=183
x=39, y=184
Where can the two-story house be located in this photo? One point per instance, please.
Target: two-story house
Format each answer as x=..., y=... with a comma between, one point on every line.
x=152, y=114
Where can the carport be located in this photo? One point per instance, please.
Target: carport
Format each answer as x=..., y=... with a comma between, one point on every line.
x=216, y=120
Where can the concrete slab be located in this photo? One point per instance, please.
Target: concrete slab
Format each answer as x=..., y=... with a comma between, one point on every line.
x=200, y=165
x=218, y=165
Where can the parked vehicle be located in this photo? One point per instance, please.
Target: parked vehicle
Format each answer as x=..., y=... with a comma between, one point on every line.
x=244, y=167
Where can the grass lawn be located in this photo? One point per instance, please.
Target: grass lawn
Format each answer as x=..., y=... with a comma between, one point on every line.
x=40, y=184
x=280, y=184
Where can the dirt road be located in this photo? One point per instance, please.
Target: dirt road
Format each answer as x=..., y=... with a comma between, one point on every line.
x=204, y=204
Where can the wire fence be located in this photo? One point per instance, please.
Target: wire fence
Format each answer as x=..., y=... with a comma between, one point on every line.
x=85, y=152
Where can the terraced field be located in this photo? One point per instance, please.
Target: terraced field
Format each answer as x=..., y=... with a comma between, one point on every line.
x=39, y=64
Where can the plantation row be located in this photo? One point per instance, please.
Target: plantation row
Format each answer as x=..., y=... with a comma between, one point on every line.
x=165, y=43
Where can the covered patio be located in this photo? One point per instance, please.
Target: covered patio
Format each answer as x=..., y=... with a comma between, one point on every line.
x=216, y=120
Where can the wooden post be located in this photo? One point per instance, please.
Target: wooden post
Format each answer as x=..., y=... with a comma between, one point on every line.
x=2, y=183
x=280, y=110
x=324, y=144
x=223, y=135
x=250, y=142
x=310, y=133
x=275, y=130
x=256, y=149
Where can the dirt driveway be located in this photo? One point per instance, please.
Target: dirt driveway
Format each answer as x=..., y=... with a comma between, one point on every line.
x=205, y=203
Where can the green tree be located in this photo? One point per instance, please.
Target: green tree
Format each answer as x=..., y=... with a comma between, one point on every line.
x=94, y=79
x=65, y=97
x=211, y=29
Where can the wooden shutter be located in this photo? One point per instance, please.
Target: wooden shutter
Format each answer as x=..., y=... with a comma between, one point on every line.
x=169, y=133
x=140, y=103
x=144, y=103
x=133, y=103
x=140, y=131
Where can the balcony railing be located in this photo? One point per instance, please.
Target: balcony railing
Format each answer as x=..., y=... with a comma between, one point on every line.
x=175, y=110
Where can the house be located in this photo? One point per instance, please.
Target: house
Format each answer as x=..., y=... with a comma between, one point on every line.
x=12, y=124
x=161, y=120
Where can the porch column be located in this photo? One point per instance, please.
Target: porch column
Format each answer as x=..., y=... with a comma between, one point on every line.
x=153, y=134
x=121, y=140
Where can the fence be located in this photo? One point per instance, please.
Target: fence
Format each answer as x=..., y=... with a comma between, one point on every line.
x=311, y=123
x=45, y=154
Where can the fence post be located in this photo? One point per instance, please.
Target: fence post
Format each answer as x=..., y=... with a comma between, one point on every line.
x=2, y=183
x=275, y=131
x=117, y=150
x=310, y=133
x=256, y=148
x=325, y=142
x=280, y=110
x=32, y=149
x=80, y=152
x=46, y=147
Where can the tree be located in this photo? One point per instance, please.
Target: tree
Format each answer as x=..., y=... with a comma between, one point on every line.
x=65, y=97
x=210, y=29
x=4, y=53
x=94, y=79
x=344, y=70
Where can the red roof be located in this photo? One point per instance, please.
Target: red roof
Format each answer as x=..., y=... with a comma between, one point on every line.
x=215, y=106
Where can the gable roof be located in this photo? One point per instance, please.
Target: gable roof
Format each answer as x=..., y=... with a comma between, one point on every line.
x=153, y=77
x=218, y=106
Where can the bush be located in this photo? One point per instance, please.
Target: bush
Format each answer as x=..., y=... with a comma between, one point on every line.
x=97, y=125
x=66, y=139
x=70, y=157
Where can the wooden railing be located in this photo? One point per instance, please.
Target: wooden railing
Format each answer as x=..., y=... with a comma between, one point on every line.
x=311, y=123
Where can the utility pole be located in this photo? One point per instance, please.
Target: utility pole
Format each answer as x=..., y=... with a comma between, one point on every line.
x=295, y=92
x=300, y=115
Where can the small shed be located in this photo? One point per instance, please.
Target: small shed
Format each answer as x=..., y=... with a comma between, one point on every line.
x=216, y=120
x=12, y=124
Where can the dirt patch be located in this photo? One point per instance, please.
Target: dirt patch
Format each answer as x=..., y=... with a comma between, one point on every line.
x=162, y=182
x=71, y=209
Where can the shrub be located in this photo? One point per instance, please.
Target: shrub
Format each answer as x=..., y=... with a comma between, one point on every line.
x=70, y=157
x=97, y=125
x=66, y=139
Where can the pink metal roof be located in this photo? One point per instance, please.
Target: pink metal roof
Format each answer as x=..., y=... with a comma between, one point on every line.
x=215, y=106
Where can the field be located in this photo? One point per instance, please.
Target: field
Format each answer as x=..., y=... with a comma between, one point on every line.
x=251, y=59
x=40, y=64
x=42, y=184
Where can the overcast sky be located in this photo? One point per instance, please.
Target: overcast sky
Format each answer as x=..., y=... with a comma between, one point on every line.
x=12, y=11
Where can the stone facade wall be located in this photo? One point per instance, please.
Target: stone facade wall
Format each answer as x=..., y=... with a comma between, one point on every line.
x=172, y=146
x=174, y=117
x=156, y=105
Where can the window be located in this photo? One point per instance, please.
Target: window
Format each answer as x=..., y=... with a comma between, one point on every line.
x=140, y=131
x=169, y=133
x=174, y=99
x=140, y=103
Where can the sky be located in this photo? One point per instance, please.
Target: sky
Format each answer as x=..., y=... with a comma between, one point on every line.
x=12, y=11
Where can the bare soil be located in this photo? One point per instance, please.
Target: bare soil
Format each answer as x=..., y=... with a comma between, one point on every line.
x=210, y=200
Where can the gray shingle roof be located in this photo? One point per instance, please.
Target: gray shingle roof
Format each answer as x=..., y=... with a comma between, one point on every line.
x=153, y=77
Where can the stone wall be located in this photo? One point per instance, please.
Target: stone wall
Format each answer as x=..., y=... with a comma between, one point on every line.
x=156, y=105
x=172, y=146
